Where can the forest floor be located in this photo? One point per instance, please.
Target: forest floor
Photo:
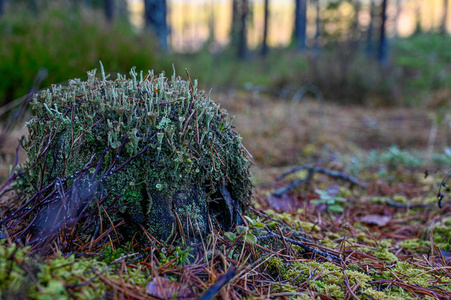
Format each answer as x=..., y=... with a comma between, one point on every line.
x=382, y=236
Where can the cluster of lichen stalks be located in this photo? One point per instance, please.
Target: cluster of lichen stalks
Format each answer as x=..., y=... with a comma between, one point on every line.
x=134, y=142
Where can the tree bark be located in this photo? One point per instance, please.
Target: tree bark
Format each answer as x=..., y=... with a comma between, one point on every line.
x=444, y=17
x=398, y=13
x=264, y=50
x=109, y=10
x=2, y=7
x=235, y=24
x=369, y=39
x=211, y=21
x=355, y=24
x=382, y=53
x=242, y=37
x=317, y=25
x=300, y=24
x=155, y=20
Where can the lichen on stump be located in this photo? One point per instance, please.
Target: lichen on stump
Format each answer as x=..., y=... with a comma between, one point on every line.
x=153, y=151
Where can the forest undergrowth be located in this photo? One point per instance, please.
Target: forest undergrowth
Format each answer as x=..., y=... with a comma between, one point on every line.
x=362, y=220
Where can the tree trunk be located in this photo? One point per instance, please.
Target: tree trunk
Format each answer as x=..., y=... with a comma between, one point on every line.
x=369, y=39
x=155, y=20
x=382, y=51
x=211, y=21
x=265, y=29
x=355, y=30
x=2, y=7
x=300, y=24
x=317, y=25
x=398, y=13
x=418, y=28
x=109, y=10
x=444, y=17
x=242, y=37
x=235, y=24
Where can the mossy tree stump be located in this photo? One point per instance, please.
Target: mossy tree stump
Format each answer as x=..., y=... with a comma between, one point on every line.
x=153, y=151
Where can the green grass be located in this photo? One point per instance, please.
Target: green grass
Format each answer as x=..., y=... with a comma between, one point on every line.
x=66, y=43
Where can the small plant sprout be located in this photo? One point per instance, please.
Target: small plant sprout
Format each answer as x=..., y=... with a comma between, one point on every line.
x=246, y=232
x=333, y=202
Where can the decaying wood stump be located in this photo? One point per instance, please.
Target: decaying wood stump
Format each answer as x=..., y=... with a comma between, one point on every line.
x=151, y=151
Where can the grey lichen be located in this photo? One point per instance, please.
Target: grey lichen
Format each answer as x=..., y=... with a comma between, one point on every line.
x=187, y=159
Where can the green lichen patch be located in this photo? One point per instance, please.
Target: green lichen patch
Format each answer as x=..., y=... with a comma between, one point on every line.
x=162, y=145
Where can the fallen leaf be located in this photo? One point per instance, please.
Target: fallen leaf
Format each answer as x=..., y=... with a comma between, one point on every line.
x=164, y=288
x=378, y=220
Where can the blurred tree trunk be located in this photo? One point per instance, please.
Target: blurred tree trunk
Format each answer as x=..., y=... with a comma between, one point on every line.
x=155, y=20
x=238, y=36
x=317, y=25
x=398, y=13
x=382, y=51
x=265, y=28
x=300, y=24
x=2, y=7
x=355, y=30
x=369, y=39
x=235, y=24
x=109, y=10
x=418, y=28
x=121, y=10
x=211, y=21
x=444, y=17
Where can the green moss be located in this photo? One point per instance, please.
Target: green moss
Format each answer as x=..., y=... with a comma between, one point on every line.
x=333, y=291
x=285, y=287
x=332, y=278
x=412, y=274
x=378, y=295
x=384, y=254
x=329, y=243
x=416, y=245
x=275, y=266
x=24, y=276
x=386, y=243
x=400, y=198
x=189, y=155
x=307, y=226
x=292, y=220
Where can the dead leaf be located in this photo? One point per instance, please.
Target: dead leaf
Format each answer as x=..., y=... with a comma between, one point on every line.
x=378, y=220
x=164, y=288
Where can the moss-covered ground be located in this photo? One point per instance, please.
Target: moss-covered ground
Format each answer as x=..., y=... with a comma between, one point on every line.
x=324, y=239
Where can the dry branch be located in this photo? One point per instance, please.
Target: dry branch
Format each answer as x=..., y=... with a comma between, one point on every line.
x=311, y=171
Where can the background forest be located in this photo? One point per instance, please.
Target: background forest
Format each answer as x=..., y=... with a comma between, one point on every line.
x=344, y=106
x=363, y=52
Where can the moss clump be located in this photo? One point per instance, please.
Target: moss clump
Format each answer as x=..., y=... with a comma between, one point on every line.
x=384, y=254
x=161, y=143
x=276, y=266
x=378, y=295
x=23, y=276
x=416, y=245
x=332, y=279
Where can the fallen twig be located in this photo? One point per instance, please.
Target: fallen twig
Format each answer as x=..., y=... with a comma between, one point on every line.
x=217, y=286
x=311, y=171
x=308, y=248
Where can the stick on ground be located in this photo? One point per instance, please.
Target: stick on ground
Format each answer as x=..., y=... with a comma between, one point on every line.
x=311, y=171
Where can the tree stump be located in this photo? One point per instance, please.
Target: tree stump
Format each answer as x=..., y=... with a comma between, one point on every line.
x=154, y=152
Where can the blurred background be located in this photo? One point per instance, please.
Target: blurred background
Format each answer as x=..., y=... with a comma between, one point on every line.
x=301, y=75
x=355, y=51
